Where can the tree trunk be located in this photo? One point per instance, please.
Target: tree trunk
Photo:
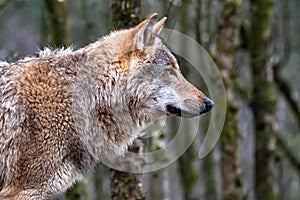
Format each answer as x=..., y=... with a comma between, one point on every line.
x=188, y=169
x=226, y=57
x=58, y=15
x=125, y=13
x=263, y=98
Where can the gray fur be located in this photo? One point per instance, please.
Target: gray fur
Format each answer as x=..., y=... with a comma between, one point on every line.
x=64, y=111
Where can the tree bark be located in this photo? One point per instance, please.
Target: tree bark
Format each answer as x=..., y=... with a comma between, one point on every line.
x=263, y=98
x=125, y=186
x=188, y=169
x=227, y=46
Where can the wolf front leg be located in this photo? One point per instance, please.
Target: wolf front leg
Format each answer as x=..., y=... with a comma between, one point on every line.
x=9, y=193
x=35, y=189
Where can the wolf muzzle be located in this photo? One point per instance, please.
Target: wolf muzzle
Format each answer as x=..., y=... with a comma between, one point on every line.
x=207, y=105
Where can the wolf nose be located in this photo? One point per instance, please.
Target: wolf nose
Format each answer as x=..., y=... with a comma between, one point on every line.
x=208, y=104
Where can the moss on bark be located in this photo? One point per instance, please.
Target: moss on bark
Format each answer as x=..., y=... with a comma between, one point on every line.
x=263, y=99
x=227, y=47
x=188, y=171
x=126, y=186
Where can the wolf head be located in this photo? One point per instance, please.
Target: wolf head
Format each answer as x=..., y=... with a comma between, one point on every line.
x=154, y=79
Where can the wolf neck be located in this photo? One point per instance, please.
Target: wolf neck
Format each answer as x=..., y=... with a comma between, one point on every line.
x=104, y=112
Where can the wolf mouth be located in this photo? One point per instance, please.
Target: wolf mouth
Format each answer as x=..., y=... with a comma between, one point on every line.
x=173, y=110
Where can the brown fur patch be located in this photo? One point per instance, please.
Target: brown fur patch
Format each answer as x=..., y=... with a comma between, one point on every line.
x=123, y=61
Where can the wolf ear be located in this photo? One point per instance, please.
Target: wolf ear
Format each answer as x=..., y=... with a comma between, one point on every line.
x=146, y=31
x=159, y=26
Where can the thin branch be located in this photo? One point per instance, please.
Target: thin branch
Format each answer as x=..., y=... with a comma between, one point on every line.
x=286, y=52
x=198, y=19
x=286, y=90
x=295, y=162
x=282, y=84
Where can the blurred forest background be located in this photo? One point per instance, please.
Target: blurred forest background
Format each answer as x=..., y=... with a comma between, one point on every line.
x=256, y=46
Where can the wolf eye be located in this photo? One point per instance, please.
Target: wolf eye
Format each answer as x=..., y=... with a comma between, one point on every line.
x=171, y=71
x=177, y=58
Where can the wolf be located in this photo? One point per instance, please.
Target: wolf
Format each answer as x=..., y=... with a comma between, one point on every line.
x=64, y=111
